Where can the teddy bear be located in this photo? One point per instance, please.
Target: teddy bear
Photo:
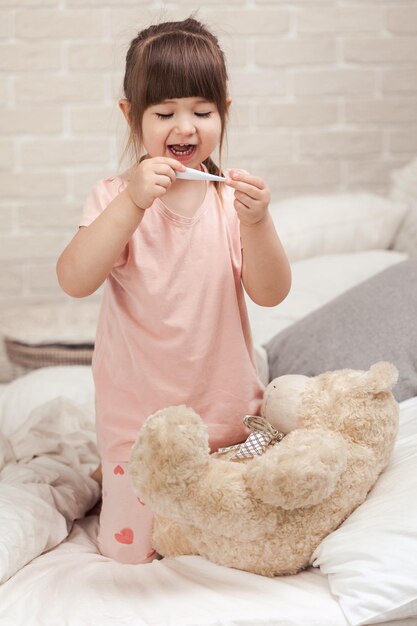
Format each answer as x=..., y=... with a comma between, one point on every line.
x=266, y=514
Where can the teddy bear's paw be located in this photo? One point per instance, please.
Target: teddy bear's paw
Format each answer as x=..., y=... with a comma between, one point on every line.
x=170, y=453
x=299, y=472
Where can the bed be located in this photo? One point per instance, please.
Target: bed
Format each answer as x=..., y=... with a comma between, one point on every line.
x=345, y=263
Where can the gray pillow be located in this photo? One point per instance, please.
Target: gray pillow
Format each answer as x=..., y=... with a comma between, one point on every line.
x=374, y=321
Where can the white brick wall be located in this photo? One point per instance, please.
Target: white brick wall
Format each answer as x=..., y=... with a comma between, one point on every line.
x=325, y=100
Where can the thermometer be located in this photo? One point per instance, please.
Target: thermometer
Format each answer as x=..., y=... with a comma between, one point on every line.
x=191, y=174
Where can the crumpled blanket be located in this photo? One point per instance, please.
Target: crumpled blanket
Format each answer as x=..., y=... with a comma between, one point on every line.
x=45, y=482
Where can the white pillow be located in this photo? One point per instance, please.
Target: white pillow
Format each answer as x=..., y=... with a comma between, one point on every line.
x=404, y=190
x=19, y=397
x=313, y=225
x=371, y=560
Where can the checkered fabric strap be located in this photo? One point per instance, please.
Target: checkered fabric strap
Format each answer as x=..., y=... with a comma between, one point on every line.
x=263, y=435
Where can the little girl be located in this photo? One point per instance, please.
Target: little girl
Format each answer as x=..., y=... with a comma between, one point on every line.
x=173, y=254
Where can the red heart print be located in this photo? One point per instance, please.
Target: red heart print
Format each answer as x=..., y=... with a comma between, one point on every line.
x=118, y=470
x=124, y=536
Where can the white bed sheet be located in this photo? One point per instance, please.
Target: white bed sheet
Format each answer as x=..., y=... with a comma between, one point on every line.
x=75, y=586
x=186, y=591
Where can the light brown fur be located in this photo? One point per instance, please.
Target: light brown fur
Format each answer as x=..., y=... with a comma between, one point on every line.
x=268, y=514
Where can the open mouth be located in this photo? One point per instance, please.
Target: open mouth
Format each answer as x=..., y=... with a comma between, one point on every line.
x=182, y=150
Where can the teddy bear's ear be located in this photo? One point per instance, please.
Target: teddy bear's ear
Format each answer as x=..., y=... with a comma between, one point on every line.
x=381, y=376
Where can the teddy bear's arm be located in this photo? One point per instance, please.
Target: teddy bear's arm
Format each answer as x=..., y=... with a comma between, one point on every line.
x=300, y=471
x=173, y=473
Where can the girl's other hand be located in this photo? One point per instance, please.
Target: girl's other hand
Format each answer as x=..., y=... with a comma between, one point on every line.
x=252, y=196
x=151, y=179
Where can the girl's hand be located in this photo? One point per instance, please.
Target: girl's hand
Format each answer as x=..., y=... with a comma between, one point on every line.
x=252, y=196
x=151, y=179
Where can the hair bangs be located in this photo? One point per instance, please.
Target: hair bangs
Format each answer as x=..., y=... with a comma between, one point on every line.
x=182, y=66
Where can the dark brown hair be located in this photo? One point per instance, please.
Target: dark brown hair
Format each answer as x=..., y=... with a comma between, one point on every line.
x=174, y=60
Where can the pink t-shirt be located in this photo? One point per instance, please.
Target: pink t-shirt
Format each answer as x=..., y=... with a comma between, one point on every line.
x=173, y=326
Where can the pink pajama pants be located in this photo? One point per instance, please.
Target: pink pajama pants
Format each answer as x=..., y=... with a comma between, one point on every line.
x=125, y=522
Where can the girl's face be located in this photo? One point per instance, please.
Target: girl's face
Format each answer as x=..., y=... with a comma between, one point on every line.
x=187, y=129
